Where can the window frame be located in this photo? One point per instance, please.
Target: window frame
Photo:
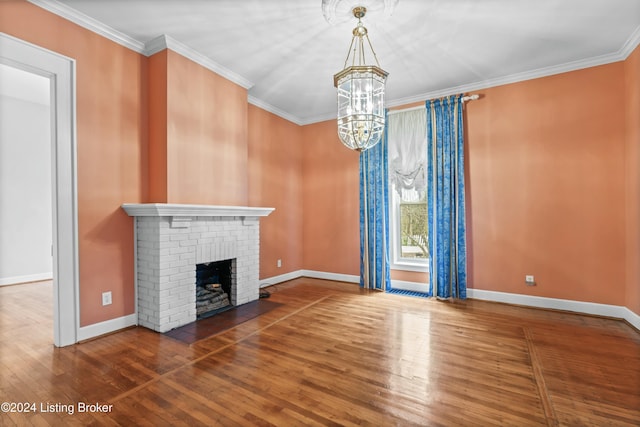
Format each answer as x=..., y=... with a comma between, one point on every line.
x=396, y=262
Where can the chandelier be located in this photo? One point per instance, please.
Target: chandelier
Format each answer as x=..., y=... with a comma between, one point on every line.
x=360, y=93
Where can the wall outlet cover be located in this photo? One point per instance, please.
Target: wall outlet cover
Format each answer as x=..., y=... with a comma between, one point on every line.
x=106, y=298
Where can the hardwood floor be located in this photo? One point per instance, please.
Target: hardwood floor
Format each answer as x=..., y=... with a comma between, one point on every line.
x=331, y=354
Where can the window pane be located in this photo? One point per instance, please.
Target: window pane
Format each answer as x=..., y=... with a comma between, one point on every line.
x=413, y=225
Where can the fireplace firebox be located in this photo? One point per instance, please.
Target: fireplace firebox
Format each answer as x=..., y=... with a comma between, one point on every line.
x=214, y=285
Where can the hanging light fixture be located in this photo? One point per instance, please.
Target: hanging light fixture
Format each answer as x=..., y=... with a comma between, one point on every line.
x=360, y=93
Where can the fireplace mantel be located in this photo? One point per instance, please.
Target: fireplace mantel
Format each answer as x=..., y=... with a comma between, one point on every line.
x=178, y=210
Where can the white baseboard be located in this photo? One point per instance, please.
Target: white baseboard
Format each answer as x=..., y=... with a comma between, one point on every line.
x=331, y=276
x=597, y=309
x=97, y=329
x=309, y=273
x=606, y=310
x=15, y=280
x=281, y=278
x=631, y=317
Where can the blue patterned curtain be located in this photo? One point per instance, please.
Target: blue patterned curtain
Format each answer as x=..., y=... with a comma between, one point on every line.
x=445, y=198
x=374, y=220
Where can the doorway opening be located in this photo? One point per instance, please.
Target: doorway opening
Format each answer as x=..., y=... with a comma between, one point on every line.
x=60, y=72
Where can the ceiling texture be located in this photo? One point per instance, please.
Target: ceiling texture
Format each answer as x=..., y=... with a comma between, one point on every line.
x=285, y=52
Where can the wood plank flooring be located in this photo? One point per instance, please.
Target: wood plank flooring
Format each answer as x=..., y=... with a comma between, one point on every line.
x=331, y=354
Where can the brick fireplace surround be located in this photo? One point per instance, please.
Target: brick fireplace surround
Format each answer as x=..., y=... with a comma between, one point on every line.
x=171, y=239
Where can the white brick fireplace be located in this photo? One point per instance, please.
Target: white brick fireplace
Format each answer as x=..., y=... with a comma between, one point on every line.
x=171, y=239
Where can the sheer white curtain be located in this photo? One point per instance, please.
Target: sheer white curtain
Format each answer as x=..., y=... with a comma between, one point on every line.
x=407, y=135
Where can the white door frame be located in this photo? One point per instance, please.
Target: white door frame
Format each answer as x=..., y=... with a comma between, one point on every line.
x=61, y=71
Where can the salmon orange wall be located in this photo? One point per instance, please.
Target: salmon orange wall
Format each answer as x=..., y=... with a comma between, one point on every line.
x=632, y=156
x=546, y=186
x=332, y=202
x=111, y=129
x=275, y=180
x=157, y=107
x=206, y=136
x=331, y=227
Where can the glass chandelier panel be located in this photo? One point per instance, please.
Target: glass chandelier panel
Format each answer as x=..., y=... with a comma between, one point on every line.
x=360, y=94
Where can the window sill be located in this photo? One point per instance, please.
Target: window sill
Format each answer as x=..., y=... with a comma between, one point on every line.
x=410, y=266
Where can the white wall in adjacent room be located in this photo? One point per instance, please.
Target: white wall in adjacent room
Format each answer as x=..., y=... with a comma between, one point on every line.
x=25, y=177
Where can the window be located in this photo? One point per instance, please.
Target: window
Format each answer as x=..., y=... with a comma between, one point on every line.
x=408, y=198
x=409, y=235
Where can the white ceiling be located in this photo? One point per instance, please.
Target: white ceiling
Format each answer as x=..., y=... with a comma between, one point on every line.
x=286, y=53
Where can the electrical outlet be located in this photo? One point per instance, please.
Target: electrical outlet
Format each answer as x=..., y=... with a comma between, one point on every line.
x=529, y=280
x=106, y=298
x=279, y=263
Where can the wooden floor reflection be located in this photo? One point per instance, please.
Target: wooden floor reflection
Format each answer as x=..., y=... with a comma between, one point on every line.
x=331, y=354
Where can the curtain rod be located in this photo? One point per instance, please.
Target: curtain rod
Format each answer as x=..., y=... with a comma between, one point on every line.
x=419, y=107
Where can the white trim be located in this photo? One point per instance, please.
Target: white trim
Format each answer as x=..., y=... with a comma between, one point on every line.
x=631, y=317
x=135, y=267
x=407, y=266
x=396, y=284
x=61, y=71
x=338, y=277
x=179, y=210
x=318, y=119
x=615, y=311
x=166, y=42
x=153, y=46
x=630, y=45
x=90, y=24
x=513, y=78
x=606, y=310
x=275, y=110
x=396, y=262
x=16, y=280
x=331, y=276
x=625, y=50
x=274, y=280
x=410, y=286
x=156, y=45
x=623, y=53
x=108, y=326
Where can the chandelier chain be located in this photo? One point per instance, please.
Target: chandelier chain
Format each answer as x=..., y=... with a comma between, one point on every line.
x=373, y=51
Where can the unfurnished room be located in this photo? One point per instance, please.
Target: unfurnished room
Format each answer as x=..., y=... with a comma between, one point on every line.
x=320, y=212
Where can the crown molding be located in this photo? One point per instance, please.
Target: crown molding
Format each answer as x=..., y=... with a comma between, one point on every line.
x=156, y=45
x=147, y=49
x=620, y=55
x=623, y=53
x=166, y=42
x=79, y=18
x=630, y=45
x=275, y=110
x=320, y=118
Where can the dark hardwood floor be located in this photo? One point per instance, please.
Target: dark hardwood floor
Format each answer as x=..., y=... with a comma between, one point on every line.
x=331, y=354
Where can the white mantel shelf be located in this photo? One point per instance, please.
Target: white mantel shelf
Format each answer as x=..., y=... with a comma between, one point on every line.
x=178, y=210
